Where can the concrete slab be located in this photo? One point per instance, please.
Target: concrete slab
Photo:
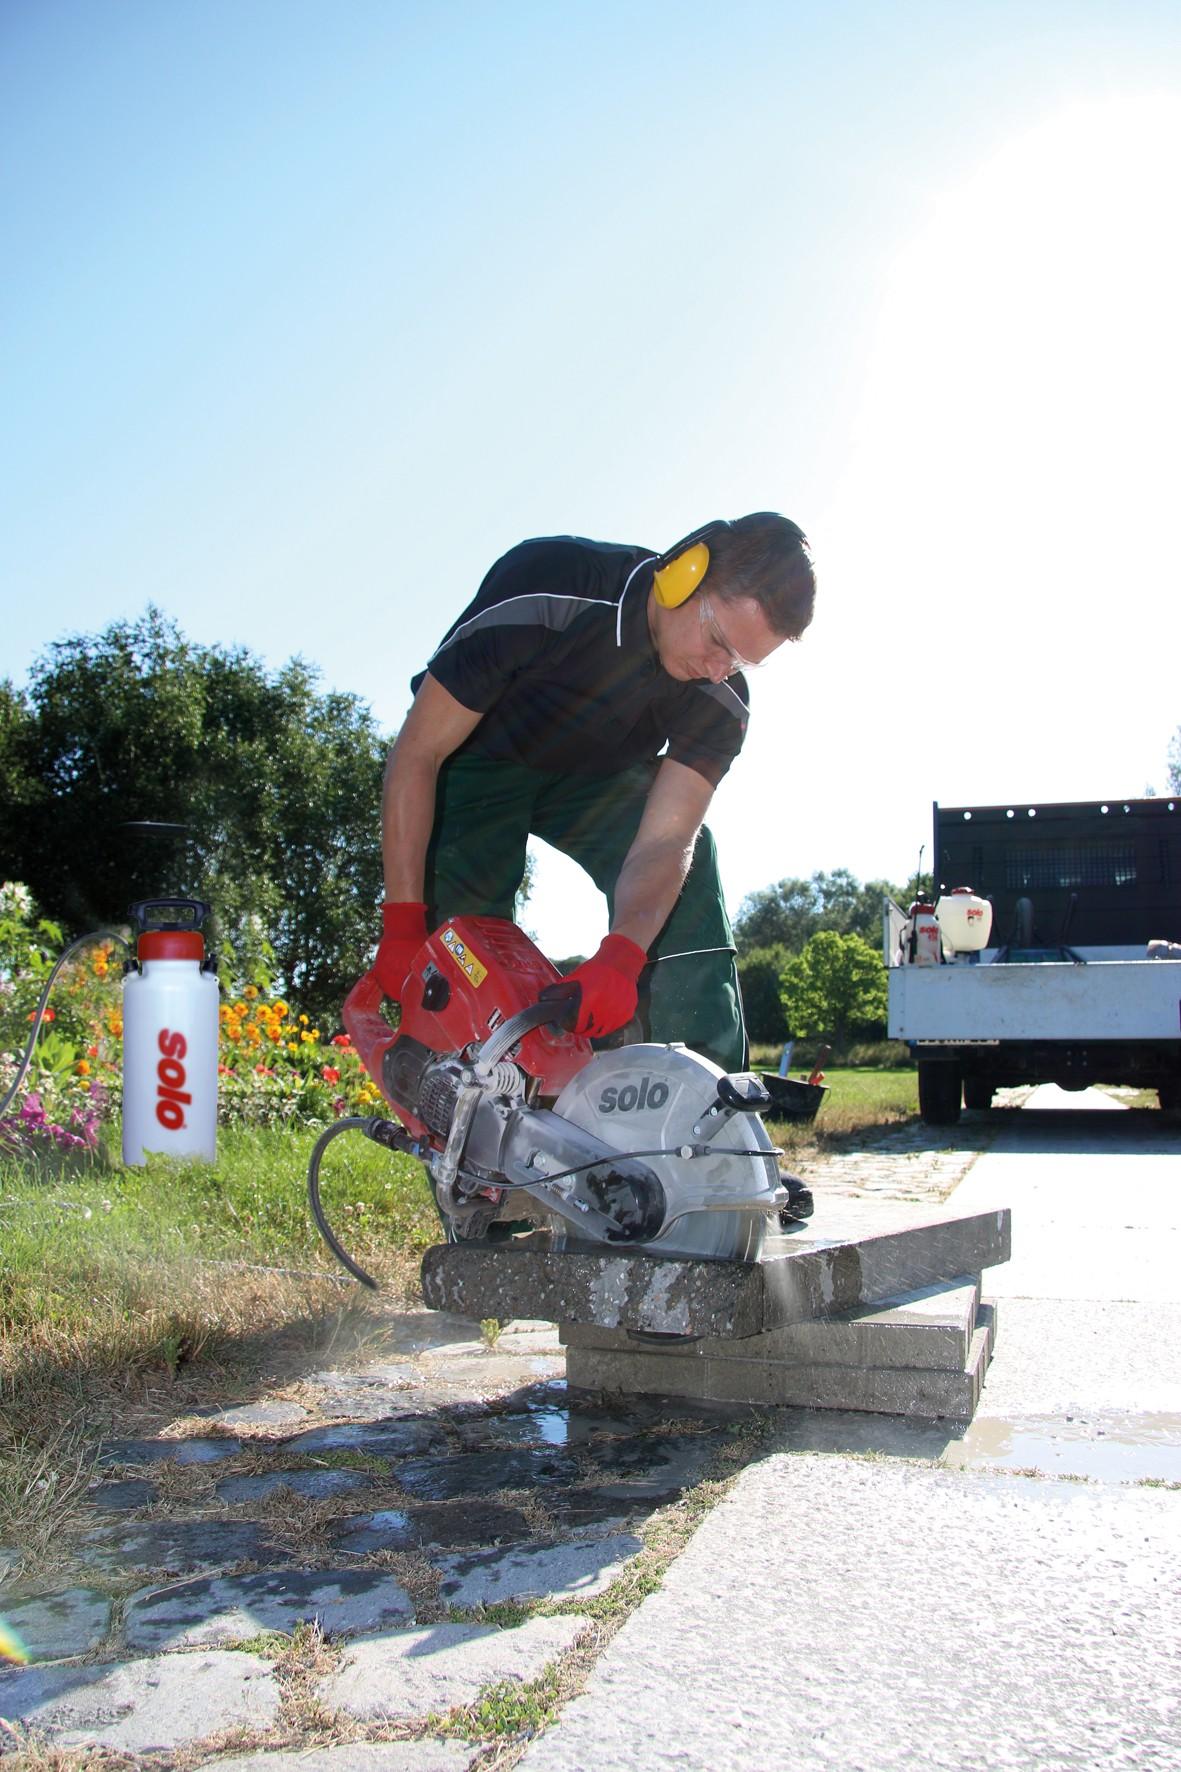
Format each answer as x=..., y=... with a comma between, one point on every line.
x=906, y=1390
x=930, y=1328
x=565, y=1571
x=141, y=1707
x=416, y=1672
x=359, y=1756
x=805, y=1278
x=890, y=1615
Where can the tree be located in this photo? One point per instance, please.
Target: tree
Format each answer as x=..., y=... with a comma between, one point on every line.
x=760, y=976
x=789, y=914
x=279, y=787
x=1174, y=762
x=836, y=989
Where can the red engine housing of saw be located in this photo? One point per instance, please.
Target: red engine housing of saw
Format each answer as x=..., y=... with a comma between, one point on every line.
x=487, y=970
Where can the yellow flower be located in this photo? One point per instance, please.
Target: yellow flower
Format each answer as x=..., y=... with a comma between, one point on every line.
x=280, y=1009
x=234, y=1033
x=303, y=1021
x=315, y=1033
x=250, y=992
x=291, y=1046
x=240, y=1010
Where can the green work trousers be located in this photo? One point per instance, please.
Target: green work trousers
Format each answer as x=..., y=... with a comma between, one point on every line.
x=485, y=813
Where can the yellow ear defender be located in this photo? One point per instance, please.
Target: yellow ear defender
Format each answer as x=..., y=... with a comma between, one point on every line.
x=681, y=570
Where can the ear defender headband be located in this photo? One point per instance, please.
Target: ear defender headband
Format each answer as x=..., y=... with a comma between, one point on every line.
x=682, y=568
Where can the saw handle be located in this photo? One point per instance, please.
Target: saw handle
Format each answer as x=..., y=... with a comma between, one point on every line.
x=565, y=992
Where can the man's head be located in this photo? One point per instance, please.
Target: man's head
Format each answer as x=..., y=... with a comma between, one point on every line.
x=757, y=591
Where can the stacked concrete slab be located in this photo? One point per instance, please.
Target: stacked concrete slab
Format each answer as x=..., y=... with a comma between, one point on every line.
x=885, y=1319
x=925, y=1353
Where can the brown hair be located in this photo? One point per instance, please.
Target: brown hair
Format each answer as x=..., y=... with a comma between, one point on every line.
x=767, y=557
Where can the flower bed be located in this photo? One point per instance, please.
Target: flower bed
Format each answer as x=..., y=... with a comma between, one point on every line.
x=274, y=1067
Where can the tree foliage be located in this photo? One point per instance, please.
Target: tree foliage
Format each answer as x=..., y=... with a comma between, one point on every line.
x=760, y=976
x=790, y=913
x=835, y=990
x=1174, y=762
x=278, y=784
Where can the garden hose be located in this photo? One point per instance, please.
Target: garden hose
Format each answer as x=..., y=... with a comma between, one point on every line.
x=39, y=1012
x=383, y=1132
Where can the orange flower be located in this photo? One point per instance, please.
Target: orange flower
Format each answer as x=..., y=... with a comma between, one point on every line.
x=81, y=1069
x=330, y=1073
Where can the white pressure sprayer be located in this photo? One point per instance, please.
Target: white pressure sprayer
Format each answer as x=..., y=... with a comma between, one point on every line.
x=170, y=1027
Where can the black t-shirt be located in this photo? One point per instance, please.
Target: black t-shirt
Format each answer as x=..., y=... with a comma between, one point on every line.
x=554, y=651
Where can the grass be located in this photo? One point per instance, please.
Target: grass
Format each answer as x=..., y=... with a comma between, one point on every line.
x=152, y=1289
x=860, y=1100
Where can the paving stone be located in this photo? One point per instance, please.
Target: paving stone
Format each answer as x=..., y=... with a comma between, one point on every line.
x=53, y=1626
x=652, y=1467
x=396, y=1377
x=168, y=1451
x=359, y=1756
x=389, y=1528
x=278, y=1414
x=318, y=1485
x=482, y=1473
x=385, y=1438
x=446, y=1523
x=148, y=1706
x=434, y=1669
x=179, y=1545
x=572, y=1570
x=226, y=1609
x=122, y=1497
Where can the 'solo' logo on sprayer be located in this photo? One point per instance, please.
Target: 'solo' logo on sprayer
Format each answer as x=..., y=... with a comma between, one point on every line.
x=171, y=1100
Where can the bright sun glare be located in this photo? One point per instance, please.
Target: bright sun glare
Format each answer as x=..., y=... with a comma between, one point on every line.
x=1029, y=366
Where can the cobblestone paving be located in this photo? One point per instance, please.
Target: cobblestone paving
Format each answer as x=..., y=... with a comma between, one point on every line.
x=320, y=1576
x=912, y=1162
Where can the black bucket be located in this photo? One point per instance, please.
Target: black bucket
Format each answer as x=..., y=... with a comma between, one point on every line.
x=792, y=1099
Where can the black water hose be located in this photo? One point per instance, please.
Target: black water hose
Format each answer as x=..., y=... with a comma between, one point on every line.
x=383, y=1132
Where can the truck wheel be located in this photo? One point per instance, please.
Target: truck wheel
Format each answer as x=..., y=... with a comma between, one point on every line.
x=939, y=1093
x=977, y=1092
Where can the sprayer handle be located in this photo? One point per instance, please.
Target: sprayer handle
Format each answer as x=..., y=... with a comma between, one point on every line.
x=137, y=912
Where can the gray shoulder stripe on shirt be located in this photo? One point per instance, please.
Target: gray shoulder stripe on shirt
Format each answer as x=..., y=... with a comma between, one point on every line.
x=538, y=609
x=725, y=693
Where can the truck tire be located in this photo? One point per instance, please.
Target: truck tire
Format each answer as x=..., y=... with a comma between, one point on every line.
x=939, y=1092
x=977, y=1092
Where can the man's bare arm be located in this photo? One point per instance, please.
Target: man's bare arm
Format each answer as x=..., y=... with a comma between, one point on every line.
x=662, y=849
x=436, y=725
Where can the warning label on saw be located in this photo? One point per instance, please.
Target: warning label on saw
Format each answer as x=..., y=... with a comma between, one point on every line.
x=463, y=956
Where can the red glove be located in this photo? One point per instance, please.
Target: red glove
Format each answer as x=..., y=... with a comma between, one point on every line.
x=608, y=982
x=403, y=931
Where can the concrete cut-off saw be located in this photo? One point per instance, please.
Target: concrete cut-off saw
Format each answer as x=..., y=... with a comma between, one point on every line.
x=646, y=1147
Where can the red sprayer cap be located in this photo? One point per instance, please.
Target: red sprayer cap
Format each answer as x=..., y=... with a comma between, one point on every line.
x=171, y=944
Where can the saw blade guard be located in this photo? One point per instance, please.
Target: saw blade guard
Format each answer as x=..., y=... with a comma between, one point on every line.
x=717, y=1166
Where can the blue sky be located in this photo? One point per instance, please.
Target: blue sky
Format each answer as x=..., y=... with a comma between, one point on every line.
x=311, y=311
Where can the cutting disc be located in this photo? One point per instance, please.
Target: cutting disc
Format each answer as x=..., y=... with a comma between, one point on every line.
x=652, y=1101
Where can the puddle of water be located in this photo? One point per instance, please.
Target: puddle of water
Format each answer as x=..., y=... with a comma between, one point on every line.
x=1112, y=1448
